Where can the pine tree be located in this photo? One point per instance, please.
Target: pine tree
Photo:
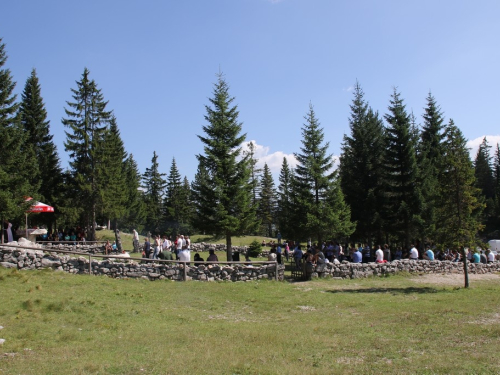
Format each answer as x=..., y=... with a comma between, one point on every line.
x=361, y=171
x=255, y=173
x=174, y=200
x=483, y=170
x=284, y=209
x=228, y=174
x=113, y=192
x=135, y=214
x=154, y=185
x=188, y=207
x=267, y=202
x=404, y=201
x=315, y=183
x=485, y=181
x=201, y=196
x=495, y=222
x=430, y=157
x=87, y=120
x=459, y=208
x=14, y=162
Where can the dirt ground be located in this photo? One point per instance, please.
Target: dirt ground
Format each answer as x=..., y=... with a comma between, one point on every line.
x=455, y=279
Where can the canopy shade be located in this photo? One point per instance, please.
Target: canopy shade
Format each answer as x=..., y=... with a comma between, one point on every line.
x=39, y=207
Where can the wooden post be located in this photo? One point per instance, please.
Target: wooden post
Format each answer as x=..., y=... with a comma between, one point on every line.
x=185, y=272
x=276, y=275
x=90, y=264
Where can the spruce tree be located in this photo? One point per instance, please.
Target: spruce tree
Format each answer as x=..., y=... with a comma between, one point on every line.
x=87, y=120
x=495, y=222
x=267, y=202
x=430, y=156
x=135, y=214
x=228, y=173
x=113, y=191
x=458, y=209
x=15, y=163
x=403, y=196
x=284, y=209
x=483, y=170
x=315, y=183
x=361, y=168
x=174, y=200
x=255, y=173
x=154, y=188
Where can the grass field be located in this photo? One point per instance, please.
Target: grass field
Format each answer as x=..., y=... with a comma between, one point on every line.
x=56, y=323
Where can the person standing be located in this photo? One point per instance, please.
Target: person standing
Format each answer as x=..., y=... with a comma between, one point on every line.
x=135, y=241
x=413, y=253
x=279, y=258
x=147, y=248
x=156, y=247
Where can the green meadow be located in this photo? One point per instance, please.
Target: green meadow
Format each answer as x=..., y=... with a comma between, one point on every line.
x=57, y=323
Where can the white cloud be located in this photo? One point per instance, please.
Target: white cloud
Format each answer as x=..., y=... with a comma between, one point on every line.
x=274, y=160
x=473, y=144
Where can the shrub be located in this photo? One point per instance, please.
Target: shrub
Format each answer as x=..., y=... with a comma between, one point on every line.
x=254, y=249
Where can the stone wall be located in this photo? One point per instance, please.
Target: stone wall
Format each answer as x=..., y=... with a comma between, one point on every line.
x=23, y=259
x=347, y=270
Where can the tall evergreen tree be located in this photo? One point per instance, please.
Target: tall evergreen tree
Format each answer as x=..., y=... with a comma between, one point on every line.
x=315, y=178
x=495, y=222
x=267, y=202
x=430, y=157
x=228, y=174
x=255, y=172
x=459, y=208
x=87, y=120
x=134, y=216
x=174, y=200
x=46, y=174
x=112, y=181
x=361, y=168
x=483, y=170
x=284, y=209
x=404, y=200
x=14, y=163
x=154, y=185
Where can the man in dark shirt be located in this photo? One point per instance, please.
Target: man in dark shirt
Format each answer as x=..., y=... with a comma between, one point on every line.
x=147, y=248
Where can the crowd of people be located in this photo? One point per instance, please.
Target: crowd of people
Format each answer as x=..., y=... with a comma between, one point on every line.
x=165, y=248
x=334, y=252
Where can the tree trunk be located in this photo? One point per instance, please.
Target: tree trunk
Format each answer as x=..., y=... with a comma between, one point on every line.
x=466, y=272
x=229, y=248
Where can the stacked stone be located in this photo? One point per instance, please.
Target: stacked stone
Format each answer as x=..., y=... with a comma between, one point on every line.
x=347, y=270
x=36, y=259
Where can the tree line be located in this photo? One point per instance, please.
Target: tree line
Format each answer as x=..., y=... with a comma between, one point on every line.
x=397, y=182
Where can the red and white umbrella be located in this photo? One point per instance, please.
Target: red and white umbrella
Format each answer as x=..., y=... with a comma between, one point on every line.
x=36, y=207
x=39, y=206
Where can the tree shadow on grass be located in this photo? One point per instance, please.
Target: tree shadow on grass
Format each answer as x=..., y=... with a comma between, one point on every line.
x=408, y=290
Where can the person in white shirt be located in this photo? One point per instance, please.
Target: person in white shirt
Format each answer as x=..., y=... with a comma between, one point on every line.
x=413, y=253
x=379, y=254
x=135, y=241
x=185, y=253
x=166, y=244
x=491, y=256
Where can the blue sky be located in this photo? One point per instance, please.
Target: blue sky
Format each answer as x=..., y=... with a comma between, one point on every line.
x=156, y=62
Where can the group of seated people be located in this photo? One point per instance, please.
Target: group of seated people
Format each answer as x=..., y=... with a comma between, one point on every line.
x=69, y=235
x=333, y=252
